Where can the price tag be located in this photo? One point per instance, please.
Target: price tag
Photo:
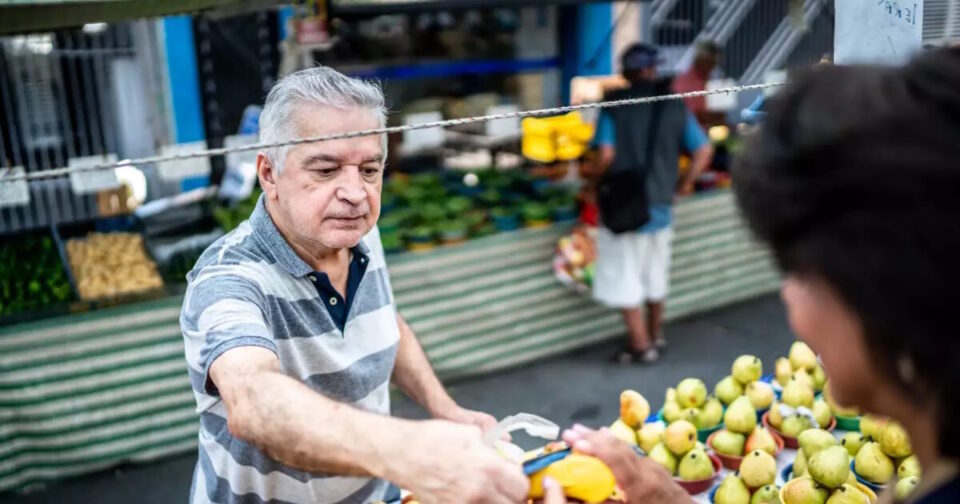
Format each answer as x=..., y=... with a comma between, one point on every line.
x=184, y=168
x=91, y=181
x=500, y=128
x=430, y=138
x=13, y=192
x=877, y=31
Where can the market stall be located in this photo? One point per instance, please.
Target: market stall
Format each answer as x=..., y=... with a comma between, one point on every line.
x=90, y=390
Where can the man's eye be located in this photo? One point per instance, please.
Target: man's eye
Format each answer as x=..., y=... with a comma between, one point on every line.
x=327, y=172
x=371, y=172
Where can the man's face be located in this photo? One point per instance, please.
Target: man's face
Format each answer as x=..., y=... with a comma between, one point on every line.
x=328, y=193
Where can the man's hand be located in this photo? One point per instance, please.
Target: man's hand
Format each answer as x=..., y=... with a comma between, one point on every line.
x=464, y=416
x=448, y=462
x=641, y=479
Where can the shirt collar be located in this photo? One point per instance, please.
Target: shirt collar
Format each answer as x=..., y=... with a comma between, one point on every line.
x=276, y=244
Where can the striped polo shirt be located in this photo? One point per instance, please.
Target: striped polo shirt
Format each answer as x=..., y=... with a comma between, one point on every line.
x=250, y=289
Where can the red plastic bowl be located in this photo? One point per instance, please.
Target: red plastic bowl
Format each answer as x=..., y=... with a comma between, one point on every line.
x=699, y=486
x=788, y=441
x=732, y=462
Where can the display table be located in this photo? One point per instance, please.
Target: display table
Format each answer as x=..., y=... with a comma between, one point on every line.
x=88, y=391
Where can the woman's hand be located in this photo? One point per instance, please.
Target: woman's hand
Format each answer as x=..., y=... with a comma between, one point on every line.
x=641, y=479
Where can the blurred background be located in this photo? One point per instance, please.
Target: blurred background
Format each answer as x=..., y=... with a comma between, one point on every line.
x=487, y=226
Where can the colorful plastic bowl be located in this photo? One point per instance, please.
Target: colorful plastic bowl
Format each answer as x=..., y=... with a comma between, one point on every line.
x=787, y=473
x=699, y=486
x=849, y=424
x=788, y=441
x=865, y=482
x=732, y=462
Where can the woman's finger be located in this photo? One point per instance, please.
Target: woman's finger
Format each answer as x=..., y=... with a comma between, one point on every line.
x=552, y=492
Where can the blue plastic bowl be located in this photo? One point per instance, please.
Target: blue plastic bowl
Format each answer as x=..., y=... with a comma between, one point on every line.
x=787, y=473
x=872, y=486
x=713, y=492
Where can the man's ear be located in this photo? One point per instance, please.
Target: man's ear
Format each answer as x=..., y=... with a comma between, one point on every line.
x=267, y=174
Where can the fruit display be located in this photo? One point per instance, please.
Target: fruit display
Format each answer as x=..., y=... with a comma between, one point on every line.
x=31, y=284
x=799, y=377
x=689, y=401
x=886, y=452
x=419, y=212
x=744, y=380
x=106, y=265
x=558, y=138
x=800, y=365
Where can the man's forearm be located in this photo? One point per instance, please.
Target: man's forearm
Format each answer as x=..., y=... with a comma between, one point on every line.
x=414, y=375
x=699, y=164
x=303, y=429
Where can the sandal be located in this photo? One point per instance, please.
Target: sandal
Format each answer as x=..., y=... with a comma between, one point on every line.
x=630, y=355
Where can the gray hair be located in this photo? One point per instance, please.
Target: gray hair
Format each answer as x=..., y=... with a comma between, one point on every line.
x=314, y=86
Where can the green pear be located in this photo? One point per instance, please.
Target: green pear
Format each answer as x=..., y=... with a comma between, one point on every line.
x=812, y=441
x=775, y=417
x=623, y=432
x=848, y=494
x=712, y=414
x=871, y=426
x=692, y=415
x=758, y=468
x=909, y=467
x=793, y=425
x=835, y=406
x=819, y=378
x=728, y=443
x=804, y=491
x=680, y=437
x=802, y=357
x=740, y=416
x=873, y=465
x=803, y=376
x=783, y=370
x=728, y=389
x=746, y=369
x=671, y=395
x=905, y=487
x=672, y=411
x=695, y=465
x=761, y=439
x=830, y=466
x=760, y=394
x=691, y=393
x=853, y=441
x=894, y=441
x=822, y=413
x=800, y=464
x=797, y=394
x=661, y=455
x=769, y=494
x=731, y=491
x=650, y=435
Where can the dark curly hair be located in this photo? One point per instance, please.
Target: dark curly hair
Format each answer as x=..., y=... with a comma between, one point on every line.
x=855, y=178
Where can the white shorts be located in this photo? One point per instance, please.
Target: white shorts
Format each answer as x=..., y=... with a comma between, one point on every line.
x=632, y=268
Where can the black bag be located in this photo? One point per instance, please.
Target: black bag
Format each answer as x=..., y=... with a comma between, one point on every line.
x=622, y=194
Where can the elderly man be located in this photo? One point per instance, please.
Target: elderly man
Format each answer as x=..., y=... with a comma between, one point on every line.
x=292, y=336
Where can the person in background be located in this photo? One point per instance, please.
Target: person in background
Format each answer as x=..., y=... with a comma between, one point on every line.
x=852, y=181
x=705, y=59
x=632, y=268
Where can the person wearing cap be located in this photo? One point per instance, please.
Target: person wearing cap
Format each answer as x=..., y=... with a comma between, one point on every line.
x=632, y=268
x=706, y=56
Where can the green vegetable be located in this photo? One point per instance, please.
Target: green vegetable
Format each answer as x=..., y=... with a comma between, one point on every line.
x=31, y=274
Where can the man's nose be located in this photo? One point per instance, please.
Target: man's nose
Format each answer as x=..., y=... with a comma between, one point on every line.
x=351, y=187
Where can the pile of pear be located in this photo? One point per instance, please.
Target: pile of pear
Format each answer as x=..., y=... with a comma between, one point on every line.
x=740, y=434
x=752, y=484
x=882, y=450
x=689, y=401
x=821, y=472
x=801, y=378
x=800, y=361
x=744, y=381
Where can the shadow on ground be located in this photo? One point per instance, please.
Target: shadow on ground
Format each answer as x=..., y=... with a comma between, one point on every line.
x=578, y=387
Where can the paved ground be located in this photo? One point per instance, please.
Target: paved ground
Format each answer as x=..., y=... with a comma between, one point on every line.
x=579, y=387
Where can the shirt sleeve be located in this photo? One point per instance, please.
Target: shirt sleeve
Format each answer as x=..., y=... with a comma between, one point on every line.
x=693, y=135
x=605, y=134
x=221, y=311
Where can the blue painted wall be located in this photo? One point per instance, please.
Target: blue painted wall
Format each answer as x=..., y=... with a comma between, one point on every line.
x=594, y=39
x=184, y=81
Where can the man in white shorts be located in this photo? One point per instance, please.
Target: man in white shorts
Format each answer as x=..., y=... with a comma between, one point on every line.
x=633, y=268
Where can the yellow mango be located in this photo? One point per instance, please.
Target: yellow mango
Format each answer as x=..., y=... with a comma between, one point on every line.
x=582, y=477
